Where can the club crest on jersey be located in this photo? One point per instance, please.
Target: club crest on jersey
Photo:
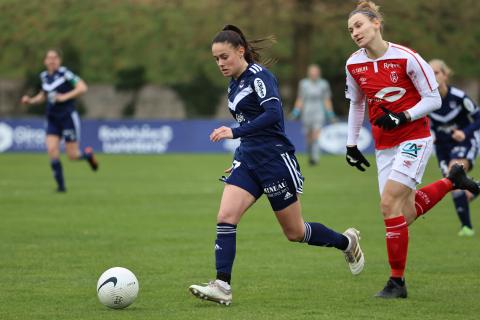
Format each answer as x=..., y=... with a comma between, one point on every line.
x=363, y=80
x=242, y=83
x=260, y=87
x=394, y=76
x=239, y=117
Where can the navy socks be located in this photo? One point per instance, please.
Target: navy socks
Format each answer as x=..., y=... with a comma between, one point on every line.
x=316, y=234
x=58, y=173
x=461, y=206
x=225, y=247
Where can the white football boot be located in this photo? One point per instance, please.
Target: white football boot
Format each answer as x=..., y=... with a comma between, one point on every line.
x=354, y=254
x=218, y=291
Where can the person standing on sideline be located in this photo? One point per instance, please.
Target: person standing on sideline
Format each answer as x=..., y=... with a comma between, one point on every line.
x=400, y=90
x=60, y=88
x=314, y=106
x=456, y=127
x=264, y=163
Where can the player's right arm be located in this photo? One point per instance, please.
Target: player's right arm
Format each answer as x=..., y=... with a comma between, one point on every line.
x=356, y=115
x=36, y=99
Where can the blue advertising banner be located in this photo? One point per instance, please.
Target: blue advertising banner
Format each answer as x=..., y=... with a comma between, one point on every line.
x=158, y=136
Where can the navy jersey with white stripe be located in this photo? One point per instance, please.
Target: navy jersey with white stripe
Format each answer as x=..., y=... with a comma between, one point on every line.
x=61, y=81
x=458, y=111
x=254, y=101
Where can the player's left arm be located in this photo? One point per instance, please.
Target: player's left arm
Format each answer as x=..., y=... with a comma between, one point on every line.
x=474, y=112
x=423, y=78
x=268, y=97
x=79, y=87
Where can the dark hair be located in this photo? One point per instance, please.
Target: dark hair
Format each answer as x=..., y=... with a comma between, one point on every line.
x=56, y=50
x=234, y=36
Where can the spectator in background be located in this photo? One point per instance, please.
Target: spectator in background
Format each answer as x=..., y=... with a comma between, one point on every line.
x=60, y=87
x=314, y=106
x=455, y=126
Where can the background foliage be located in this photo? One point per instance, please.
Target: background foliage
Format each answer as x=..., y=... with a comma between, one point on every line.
x=170, y=40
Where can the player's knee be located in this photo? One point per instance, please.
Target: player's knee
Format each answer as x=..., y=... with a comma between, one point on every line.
x=226, y=216
x=387, y=205
x=294, y=235
x=72, y=156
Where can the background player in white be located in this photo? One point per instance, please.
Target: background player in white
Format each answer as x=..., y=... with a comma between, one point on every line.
x=400, y=89
x=314, y=106
x=456, y=128
x=264, y=163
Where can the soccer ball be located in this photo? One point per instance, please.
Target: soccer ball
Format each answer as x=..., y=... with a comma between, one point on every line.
x=117, y=288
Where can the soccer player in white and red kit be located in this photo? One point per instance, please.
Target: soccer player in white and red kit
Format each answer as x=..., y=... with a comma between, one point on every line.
x=400, y=89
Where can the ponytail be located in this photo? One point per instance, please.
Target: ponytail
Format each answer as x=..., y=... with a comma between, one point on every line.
x=234, y=36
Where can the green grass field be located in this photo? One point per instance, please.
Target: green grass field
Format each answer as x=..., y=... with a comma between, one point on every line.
x=156, y=216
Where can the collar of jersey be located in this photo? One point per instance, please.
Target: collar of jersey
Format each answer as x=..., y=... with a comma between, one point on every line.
x=244, y=74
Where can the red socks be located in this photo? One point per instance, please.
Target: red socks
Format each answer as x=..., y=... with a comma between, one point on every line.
x=397, y=228
x=397, y=244
x=430, y=195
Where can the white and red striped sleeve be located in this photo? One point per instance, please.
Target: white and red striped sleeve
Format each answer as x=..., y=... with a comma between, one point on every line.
x=420, y=73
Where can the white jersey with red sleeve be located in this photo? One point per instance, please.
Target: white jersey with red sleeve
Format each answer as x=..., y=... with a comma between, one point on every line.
x=396, y=81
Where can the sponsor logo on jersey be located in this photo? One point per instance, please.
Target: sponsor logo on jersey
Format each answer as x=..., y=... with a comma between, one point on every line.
x=390, y=94
x=260, y=87
x=394, y=76
x=411, y=150
x=407, y=163
x=389, y=65
x=360, y=70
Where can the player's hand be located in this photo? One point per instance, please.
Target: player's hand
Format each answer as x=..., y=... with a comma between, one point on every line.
x=221, y=133
x=25, y=100
x=60, y=97
x=295, y=113
x=458, y=135
x=390, y=120
x=356, y=159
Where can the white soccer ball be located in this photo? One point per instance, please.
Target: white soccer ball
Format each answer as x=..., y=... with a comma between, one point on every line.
x=117, y=288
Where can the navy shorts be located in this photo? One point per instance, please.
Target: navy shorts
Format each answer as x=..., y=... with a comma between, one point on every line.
x=280, y=179
x=67, y=126
x=467, y=149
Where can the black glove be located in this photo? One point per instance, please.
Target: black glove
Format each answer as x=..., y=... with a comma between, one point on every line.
x=355, y=158
x=390, y=120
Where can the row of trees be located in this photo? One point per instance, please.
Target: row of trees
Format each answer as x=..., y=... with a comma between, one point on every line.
x=169, y=40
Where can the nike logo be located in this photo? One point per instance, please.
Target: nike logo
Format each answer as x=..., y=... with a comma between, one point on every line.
x=396, y=120
x=112, y=279
x=352, y=160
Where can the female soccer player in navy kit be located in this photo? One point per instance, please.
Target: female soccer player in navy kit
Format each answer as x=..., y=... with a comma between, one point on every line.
x=60, y=87
x=456, y=127
x=263, y=163
x=400, y=90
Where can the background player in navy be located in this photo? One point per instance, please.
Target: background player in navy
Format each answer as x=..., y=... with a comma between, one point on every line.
x=455, y=126
x=263, y=163
x=60, y=87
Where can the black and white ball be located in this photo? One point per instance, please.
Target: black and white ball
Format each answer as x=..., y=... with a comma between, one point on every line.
x=117, y=288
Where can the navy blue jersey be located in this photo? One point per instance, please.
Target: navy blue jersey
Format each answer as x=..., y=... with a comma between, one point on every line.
x=254, y=101
x=61, y=81
x=458, y=111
